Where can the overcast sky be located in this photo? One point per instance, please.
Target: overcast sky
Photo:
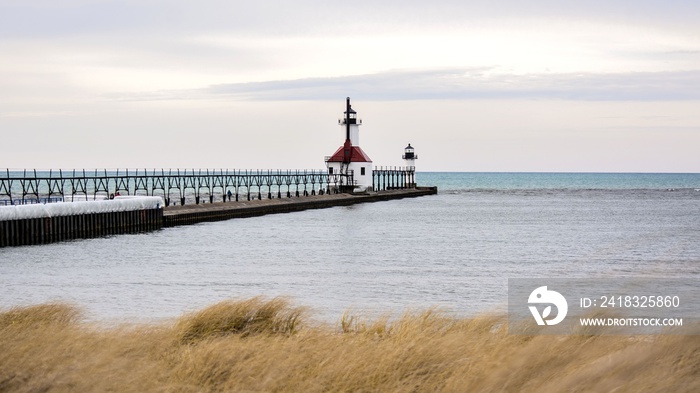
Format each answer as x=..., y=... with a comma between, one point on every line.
x=537, y=85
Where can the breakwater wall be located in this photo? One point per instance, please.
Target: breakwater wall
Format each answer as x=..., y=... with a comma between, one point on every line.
x=52, y=222
x=43, y=230
x=42, y=224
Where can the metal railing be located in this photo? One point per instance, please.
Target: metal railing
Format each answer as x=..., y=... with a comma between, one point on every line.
x=392, y=178
x=174, y=185
x=184, y=186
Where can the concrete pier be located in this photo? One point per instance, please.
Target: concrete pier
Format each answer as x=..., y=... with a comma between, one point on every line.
x=44, y=230
x=193, y=214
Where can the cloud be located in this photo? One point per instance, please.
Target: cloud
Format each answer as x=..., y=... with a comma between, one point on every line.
x=50, y=17
x=462, y=83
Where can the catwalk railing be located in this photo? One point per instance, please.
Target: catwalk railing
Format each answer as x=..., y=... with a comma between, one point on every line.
x=392, y=178
x=174, y=185
x=178, y=186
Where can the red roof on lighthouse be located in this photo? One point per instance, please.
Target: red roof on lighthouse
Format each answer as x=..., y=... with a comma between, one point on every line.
x=356, y=155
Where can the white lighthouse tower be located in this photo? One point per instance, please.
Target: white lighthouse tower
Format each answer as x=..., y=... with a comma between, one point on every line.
x=410, y=157
x=350, y=158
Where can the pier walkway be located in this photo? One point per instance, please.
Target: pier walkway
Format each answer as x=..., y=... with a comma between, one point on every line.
x=51, y=227
x=192, y=214
x=189, y=196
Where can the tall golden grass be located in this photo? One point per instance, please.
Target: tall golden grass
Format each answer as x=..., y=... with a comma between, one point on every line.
x=269, y=345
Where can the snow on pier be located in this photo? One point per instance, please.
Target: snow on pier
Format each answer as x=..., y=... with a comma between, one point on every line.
x=118, y=204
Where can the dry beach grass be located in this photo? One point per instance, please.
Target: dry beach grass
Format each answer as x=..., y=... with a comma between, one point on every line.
x=270, y=345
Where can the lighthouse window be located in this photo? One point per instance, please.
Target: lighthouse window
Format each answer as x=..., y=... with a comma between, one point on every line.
x=330, y=170
x=362, y=171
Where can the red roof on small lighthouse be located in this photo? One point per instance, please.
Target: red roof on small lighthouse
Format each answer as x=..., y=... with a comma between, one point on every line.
x=355, y=152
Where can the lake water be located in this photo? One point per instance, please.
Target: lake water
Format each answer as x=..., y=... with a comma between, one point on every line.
x=454, y=250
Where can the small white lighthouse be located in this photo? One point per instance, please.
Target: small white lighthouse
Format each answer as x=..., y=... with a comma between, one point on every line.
x=350, y=157
x=410, y=157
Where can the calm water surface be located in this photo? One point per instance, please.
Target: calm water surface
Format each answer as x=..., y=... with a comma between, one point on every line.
x=454, y=250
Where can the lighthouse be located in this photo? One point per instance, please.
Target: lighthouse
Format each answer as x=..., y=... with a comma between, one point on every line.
x=350, y=158
x=409, y=158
